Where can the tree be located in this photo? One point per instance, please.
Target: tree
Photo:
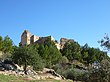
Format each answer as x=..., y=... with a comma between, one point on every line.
x=90, y=55
x=49, y=52
x=1, y=43
x=54, y=55
x=27, y=55
x=102, y=74
x=105, y=42
x=7, y=44
x=64, y=60
x=72, y=50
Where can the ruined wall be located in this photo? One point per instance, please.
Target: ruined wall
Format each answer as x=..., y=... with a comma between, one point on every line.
x=34, y=39
x=27, y=38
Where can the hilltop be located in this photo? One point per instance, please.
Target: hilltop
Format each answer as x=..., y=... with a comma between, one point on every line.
x=28, y=38
x=70, y=60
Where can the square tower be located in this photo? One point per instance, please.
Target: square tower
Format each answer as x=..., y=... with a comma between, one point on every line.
x=25, y=38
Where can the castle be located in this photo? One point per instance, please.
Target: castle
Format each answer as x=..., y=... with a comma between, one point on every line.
x=28, y=38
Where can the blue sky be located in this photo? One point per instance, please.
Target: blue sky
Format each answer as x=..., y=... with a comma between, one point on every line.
x=85, y=21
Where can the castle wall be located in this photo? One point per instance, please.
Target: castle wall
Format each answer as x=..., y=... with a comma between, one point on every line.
x=34, y=39
x=27, y=38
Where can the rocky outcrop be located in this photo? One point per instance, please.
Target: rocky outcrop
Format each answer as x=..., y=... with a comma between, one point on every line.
x=8, y=67
x=64, y=40
x=35, y=75
x=52, y=74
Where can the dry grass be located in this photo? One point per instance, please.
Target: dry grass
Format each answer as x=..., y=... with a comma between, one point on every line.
x=12, y=78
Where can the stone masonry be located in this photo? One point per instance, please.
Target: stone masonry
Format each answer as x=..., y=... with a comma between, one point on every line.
x=28, y=38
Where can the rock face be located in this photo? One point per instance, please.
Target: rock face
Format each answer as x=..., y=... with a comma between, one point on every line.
x=63, y=41
x=33, y=75
x=52, y=74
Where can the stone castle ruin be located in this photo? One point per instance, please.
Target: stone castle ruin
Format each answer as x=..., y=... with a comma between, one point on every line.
x=27, y=38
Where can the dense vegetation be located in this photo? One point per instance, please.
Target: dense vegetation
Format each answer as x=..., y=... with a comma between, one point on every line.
x=73, y=61
x=6, y=46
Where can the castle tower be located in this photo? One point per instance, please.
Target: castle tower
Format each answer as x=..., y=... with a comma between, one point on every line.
x=34, y=38
x=25, y=38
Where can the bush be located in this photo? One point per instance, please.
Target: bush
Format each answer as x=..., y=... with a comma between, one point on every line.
x=64, y=60
x=39, y=65
x=74, y=74
x=101, y=74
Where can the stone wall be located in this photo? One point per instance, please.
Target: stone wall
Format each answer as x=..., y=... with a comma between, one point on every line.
x=27, y=38
x=34, y=38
